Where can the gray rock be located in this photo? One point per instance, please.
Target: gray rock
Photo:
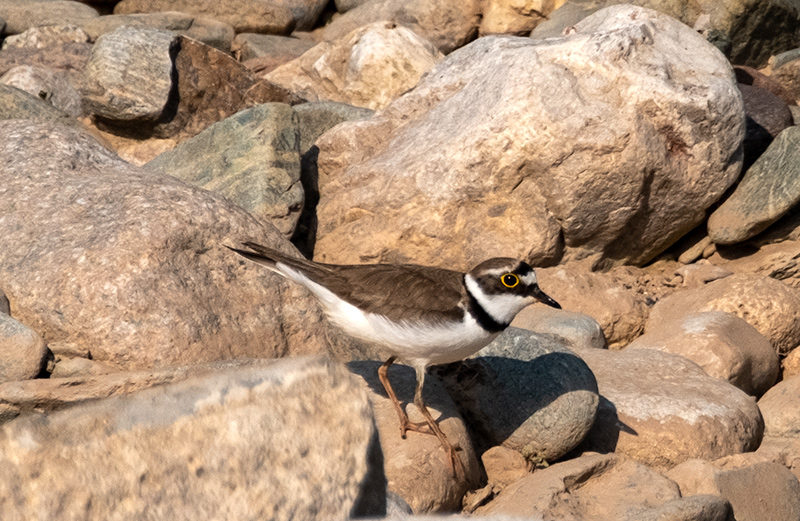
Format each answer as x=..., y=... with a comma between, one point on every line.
x=281, y=48
x=18, y=104
x=22, y=351
x=129, y=75
x=700, y=507
x=21, y=15
x=51, y=86
x=578, y=329
x=526, y=391
x=5, y=307
x=777, y=60
x=206, y=30
x=47, y=36
x=767, y=115
x=768, y=190
x=566, y=16
x=293, y=440
x=252, y=158
x=342, y=6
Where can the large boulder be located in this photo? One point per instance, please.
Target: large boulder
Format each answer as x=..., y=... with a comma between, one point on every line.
x=292, y=440
x=558, y=157
x=128, y=267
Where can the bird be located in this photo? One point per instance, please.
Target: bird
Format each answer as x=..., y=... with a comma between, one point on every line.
x=418, y=315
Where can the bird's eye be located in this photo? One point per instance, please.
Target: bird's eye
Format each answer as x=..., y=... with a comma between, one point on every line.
x=509, y=280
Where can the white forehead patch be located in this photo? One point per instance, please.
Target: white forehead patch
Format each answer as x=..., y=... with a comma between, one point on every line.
x=529, y=279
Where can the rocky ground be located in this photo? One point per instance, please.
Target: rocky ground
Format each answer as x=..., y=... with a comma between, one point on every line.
x=644, y=157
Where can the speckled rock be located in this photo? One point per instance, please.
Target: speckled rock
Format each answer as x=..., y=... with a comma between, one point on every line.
x=22, y=351
x=46, y=36
x=238, y=444
x=51, y=86
x=18, y=104
x=129, y=267
x=252, y=158
x=661, y=409
x=526, y=391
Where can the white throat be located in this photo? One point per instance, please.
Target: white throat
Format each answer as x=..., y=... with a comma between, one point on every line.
x=502, y=308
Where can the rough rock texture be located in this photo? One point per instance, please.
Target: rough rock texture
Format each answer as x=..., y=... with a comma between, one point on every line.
x=661, y=409
x=787, y=72
x=759, y=492
x=724, y=345
x=578, y=329
x=261, y=443
x=245, y=16
x=785, y=451
x=602, y=487
x=369, y=67
x=46, y=36
x=18, y=104
x=280, y=49
x=503, y=466
x=779, y=261
x=22, y=351
x=304, y=12
x=252, y=158
x=700, y=507
x=47, y=84
x=766, y=115
x=417, y=468
x=781, y=409
x=69, y=57
x=206, y=30
x=22, y=15
x=548, y=151
x=128, y=267
x=129, y=76
x=517, y=17
x=770, y=306
x=526, y=391
x=448, y=24
x=768, y=190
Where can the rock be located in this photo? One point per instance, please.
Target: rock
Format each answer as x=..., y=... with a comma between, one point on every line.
x=304, y=12
x=21, y=15
x=238, y=445
x=786, y=71
x=47, y=84
x=70, y=57
x=342, y=6
x=251, y=158
x=599, y=487
x=79, y=367
x=724, y=345
x=503, y=466
x=661, y=409
x=464, y=185
x=135, y=151
x=150, y=283
x=749, y=76
x=759, y=492
x=206, y=30
x=526, y=391
x=785, y=451
x=768, y=190
x=279, y=49
x=316, y=118
x=577, y=329
x=5, y=307
x=700, y=507
x=561, y=20
x=514, y=17
x=446, y=24
x=22, y=351
x=778, y=261
x=46, y=36
x=418, y=468
x=780, y=409
x=18, y=104
x=770, y=306
x=791, y=364
x=701, y=273
x=369, y=67
x=767, y=115
x=129, y=76
x=245, y=16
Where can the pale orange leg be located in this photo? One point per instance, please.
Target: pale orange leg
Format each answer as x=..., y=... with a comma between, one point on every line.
x=455, y=462
x=405, y=423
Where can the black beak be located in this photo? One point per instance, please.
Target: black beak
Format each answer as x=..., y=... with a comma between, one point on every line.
x=542, y=297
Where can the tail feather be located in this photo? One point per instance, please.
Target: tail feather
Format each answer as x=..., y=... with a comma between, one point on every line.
x=269, y=258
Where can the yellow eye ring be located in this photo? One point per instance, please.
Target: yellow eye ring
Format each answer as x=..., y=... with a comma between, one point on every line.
x=509, y=280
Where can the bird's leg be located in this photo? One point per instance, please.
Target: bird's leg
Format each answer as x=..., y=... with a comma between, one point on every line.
x=455, y=462
x=405, y=423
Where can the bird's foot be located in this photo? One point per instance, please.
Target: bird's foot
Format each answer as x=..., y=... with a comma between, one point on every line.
x=407, y=425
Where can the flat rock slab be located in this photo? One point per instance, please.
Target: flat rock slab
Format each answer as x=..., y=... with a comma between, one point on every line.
x=661, y=409
x=294, y=439
x=768, y=190
x=527, y=392
x=252, y=158
x=245, y=16
x=107, y=261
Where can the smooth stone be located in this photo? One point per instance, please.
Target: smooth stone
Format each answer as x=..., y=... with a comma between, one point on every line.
x=578, y=329
x=22, y=351
x=17, y=104
x=22, y=15
x=281, y=49
x=780, y=407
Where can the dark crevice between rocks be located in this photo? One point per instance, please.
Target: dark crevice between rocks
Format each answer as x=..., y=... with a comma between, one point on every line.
x=305, y=234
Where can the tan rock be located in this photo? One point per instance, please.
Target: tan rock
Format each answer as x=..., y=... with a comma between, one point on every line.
x=245, y=16
x=139, y=278
x=292, y=440
x=280, y=49
x=701, y=273
x=781, y=409
x=785, y=451
x=661, y=409
x=724, y=345
x=418, y=468
x=47, y=84
x=770, y=306
x=763, y=491
x=504, y=466
x=791, y=364
x=46, y=36
x=448, y=24
x=72, y=367
x=21, y=16
x=369, y=67
x=526, y=171
x=779, y=261
x=22, y=351
x=599, y=487
x=69, y=57
x=517, y=17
